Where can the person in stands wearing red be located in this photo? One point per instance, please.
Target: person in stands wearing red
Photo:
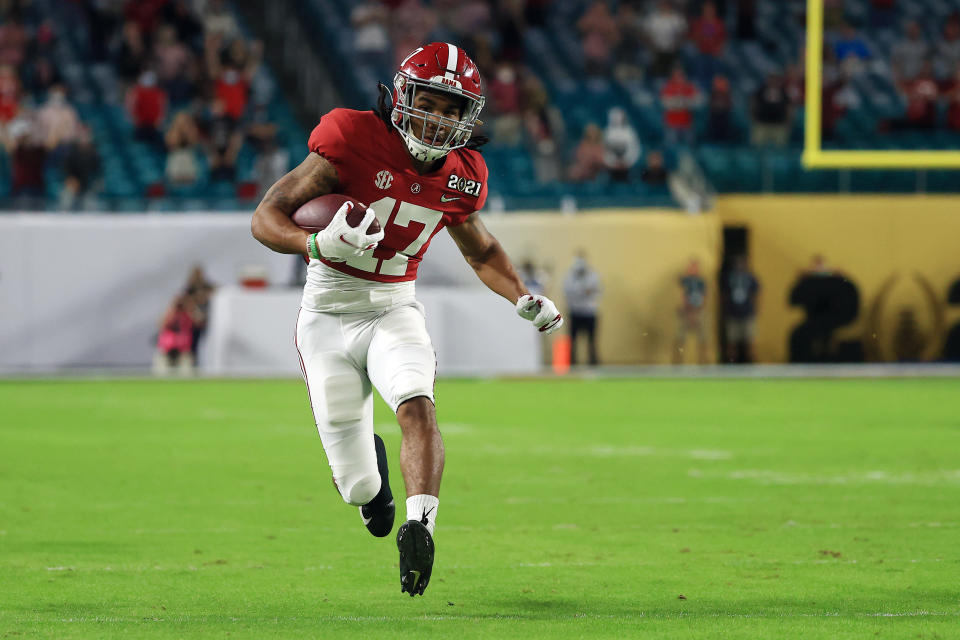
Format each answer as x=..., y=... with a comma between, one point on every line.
x=147, y=107
x=710, y=36
x=921, y=94
x=679, y=96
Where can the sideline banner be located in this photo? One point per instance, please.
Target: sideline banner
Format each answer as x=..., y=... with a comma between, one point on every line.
x=890, y=281
x=81, y=291
x=640, y=256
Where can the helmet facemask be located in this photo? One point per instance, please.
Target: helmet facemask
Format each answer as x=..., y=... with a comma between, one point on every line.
x=449, y=134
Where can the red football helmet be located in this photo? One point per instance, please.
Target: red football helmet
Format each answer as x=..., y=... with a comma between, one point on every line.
x=444, y=67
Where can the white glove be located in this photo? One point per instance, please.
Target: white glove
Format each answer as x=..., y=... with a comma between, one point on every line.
x=541, y=311
x=340, y=241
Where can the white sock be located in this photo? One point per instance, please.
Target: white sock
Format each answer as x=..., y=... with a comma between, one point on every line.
x=423, y=508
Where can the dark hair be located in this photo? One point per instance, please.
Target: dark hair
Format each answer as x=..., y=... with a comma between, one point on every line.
x=385, y=107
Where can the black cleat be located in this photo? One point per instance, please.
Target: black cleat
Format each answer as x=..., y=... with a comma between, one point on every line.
x=378, y=514
x=416, y=557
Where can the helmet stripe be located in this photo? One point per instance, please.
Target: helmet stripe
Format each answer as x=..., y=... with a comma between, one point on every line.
x=452, y=56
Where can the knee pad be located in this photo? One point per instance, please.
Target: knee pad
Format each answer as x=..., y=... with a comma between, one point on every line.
x=358, y=489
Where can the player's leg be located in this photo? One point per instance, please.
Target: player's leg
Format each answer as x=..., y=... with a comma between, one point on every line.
x=700, y=327
x=681, y=338
x=749, y=331
x=342, y=401
x=591, y=329
x=402, y=365
x=575, y=328
x=732, y=330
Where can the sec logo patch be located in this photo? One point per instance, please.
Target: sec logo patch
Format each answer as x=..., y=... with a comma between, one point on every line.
x=384, y=179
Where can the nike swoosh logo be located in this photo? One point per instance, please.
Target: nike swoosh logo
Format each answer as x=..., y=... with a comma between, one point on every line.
x=446, y=198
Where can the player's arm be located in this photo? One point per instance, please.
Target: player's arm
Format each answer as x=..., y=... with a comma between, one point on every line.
x=488, y=259
x=492, y=265
x=271, y=223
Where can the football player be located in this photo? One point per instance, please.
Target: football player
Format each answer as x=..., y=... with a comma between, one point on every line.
x=360, y=325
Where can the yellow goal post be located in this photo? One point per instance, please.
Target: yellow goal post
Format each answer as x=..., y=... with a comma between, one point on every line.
x=814, y=157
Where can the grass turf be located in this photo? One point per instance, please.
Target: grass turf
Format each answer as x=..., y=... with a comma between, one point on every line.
x=608, y=508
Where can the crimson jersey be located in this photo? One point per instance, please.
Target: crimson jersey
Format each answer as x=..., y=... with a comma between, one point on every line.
x=375, y=168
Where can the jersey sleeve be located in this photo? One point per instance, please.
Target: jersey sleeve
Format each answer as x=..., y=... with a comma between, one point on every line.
x=475, y=166
x=329, y=138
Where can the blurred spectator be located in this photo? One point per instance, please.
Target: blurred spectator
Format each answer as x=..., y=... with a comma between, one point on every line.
x=182, y=140
x=599, y=35
x=132, y=55
x=9, y=94
x=771, y=114
x=223, y=141
x=654, y=172
x=40, y=76
x=81, y=168
x=948, y=49
x=746, y=19
x=851, y=49
x=837, y=97
x=582, y=290
x=953, y=101
x=628, y=65
x=920, y=93
x=58, y=121
x=14, y=39
x=621, y=145
x=740, y=310
x=272, y=162
x=27, y=157
x=371, y=40
x=534, y=278
x=544, y=130
x=665, y=28
x=172, y=60
x=179, y=14
x=720, y=119
x=710, y=36
x=909, y=53
x=232, y=71
x=147, y=108
x=588, y=158
x=504, y=92
x=175, y=338
x=199, y=291
x=218, y=21
x=679, y=97
x=146, y=13
x=794, y=83
x=510, y=28
x=690, y=312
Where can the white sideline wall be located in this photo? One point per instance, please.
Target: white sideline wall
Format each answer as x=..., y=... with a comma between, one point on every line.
x=88, y=291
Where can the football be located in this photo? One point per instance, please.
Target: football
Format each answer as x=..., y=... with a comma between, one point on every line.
x=316, y=214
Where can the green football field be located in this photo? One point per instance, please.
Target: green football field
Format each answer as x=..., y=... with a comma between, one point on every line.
x=570, y=509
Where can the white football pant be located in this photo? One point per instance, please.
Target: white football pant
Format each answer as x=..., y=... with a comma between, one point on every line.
x=341, y=354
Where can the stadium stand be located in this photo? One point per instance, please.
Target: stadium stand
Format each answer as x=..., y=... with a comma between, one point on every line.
x=714, y=88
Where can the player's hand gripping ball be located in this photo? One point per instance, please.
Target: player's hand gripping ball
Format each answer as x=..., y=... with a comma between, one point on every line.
x=541, y=311
x=344, y=227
